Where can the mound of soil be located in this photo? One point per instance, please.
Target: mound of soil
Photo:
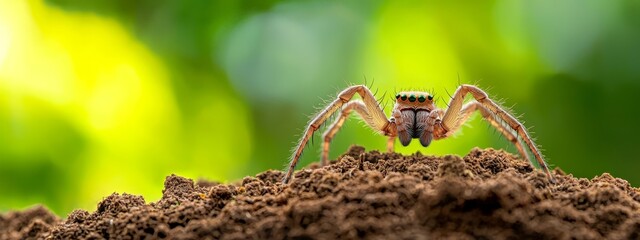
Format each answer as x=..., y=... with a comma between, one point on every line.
x=487, y=194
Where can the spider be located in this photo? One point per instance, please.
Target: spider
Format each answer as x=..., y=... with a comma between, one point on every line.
x=415, y=115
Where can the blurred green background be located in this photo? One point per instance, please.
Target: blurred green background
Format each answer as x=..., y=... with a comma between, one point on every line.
x=113, y=95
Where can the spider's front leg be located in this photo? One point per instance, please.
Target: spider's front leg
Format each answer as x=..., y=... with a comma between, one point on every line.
x=473, y=106
x=361, y=109
x=452, y=116
x=376, y=119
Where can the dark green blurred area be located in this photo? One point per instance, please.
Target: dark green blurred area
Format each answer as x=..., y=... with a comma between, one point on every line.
x=112, y=96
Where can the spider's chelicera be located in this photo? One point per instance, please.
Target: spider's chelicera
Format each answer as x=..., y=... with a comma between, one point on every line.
x=415, y=116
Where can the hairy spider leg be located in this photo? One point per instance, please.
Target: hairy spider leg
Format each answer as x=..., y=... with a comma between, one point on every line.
x=452, y=114
x=473, y=106
x=328, y=135
x=337, y=124
x=391, y=142
x=379, y=120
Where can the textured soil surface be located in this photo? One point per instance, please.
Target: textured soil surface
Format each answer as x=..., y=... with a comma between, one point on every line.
x=488, y=194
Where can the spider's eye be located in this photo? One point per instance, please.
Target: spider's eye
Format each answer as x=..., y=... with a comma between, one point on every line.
x=430, y=97
x=412, y=98
x=421, y=98
x=404, y=97
x=397, y=96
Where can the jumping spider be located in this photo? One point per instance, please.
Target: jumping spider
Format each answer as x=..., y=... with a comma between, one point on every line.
x=415, y=115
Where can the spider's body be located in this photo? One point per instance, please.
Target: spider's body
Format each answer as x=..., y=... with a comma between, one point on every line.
x=415, y=116
x=410, y=113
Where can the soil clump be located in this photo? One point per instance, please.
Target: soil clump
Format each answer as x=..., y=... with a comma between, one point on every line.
x=487, y=194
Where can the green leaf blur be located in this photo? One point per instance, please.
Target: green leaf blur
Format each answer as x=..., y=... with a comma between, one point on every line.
x=113, y=95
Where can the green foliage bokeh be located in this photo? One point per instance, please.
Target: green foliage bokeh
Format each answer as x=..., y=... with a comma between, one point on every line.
x=112, y=95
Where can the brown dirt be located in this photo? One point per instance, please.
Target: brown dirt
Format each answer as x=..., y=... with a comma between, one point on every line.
x=488, y=194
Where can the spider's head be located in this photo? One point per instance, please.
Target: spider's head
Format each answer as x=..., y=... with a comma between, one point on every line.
x=414, y=100
x=410, y=112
